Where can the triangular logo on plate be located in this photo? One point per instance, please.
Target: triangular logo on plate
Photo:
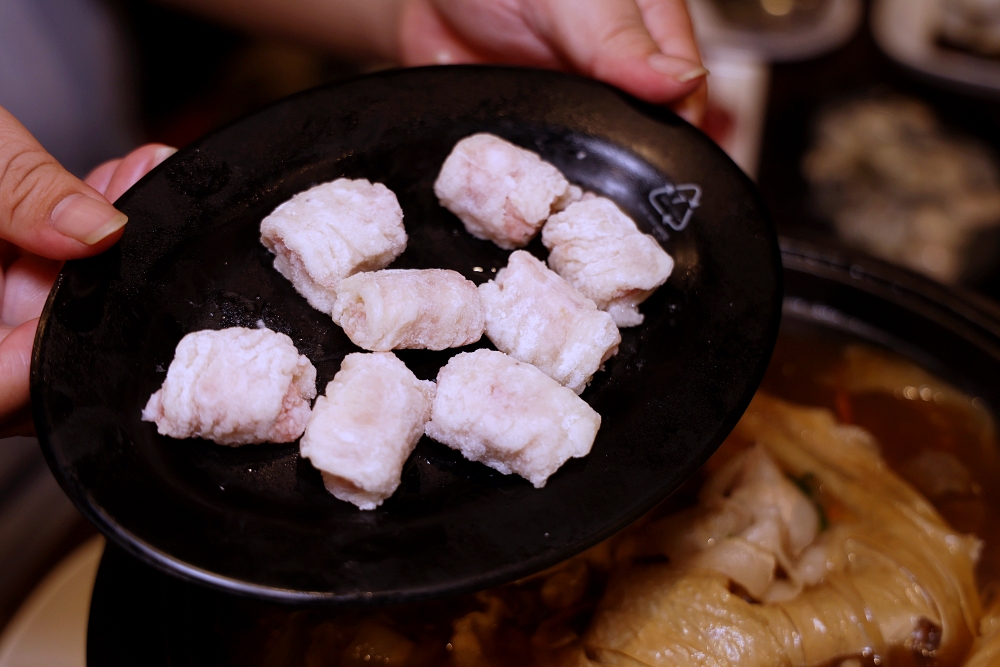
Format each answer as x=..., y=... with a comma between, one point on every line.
x=676, y=203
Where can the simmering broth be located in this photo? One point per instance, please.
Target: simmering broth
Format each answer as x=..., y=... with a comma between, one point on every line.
x=809, y=370
x=940, y=441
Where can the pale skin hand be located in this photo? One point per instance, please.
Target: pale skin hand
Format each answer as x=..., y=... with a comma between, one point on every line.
x=645, y=47
x=46, y=216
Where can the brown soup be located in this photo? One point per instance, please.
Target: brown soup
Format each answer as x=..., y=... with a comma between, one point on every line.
x=925, y=434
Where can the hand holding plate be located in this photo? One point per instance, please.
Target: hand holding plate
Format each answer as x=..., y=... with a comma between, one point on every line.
x=645, y=47
x=47, y=215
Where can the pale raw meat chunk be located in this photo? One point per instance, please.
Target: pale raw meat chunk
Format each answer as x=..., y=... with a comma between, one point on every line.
x=234, y=386
x=501, y=192
x=365, y=426
x=510, y=416
x=573, y=194
x=332, y=231
x=409, y=308
x=535, y=316
x=599, y=251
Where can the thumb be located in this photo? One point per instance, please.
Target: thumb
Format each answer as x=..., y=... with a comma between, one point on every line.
x=45, y=209
x=610, y=41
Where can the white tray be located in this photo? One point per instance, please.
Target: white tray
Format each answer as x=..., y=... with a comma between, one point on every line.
x=907, y=31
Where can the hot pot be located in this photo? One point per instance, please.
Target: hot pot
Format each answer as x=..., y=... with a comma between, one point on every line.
x=141, y=616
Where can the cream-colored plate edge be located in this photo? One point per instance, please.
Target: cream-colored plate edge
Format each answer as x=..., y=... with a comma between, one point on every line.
x=50, y=628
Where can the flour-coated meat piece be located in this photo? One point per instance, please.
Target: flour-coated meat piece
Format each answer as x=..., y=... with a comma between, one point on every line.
x=537, y=317
x=234, y=386
x=510, y=416
x=501, y=192
x=332, y=231
x=365, y=426
x=599, y=250
x=409, y=308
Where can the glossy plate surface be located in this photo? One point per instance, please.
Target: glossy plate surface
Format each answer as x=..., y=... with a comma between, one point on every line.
x=140, y=616
x=256, y=520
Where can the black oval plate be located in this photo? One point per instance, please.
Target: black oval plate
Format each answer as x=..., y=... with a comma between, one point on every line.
x=256, y=520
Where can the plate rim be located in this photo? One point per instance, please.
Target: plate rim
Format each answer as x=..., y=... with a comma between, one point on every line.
x=179, y=568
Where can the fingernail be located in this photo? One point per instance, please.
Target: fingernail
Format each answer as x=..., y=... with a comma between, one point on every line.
x=677, y=69
x=162, y=154
x=85, y=219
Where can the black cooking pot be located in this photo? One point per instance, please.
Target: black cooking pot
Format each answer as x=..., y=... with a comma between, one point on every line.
x=141, y=616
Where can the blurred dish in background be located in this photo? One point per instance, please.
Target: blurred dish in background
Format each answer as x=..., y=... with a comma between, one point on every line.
x=955, y=41
x=895, y=183
x=971, y=25
x=775, y=30
x=771, y=15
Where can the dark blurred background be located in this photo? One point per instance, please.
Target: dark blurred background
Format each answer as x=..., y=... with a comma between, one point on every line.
x=800, y=91
x=193, y=75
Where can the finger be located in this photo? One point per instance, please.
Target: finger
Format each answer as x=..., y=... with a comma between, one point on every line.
x=27, y=286
x=134, y=166
x=692, y=108
x=44, y=208
x=15, y=363
x=426, y=38
x=669, y=24
x=100, y=177
x=114, y=177
x=610, y=42
x=19, y=421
